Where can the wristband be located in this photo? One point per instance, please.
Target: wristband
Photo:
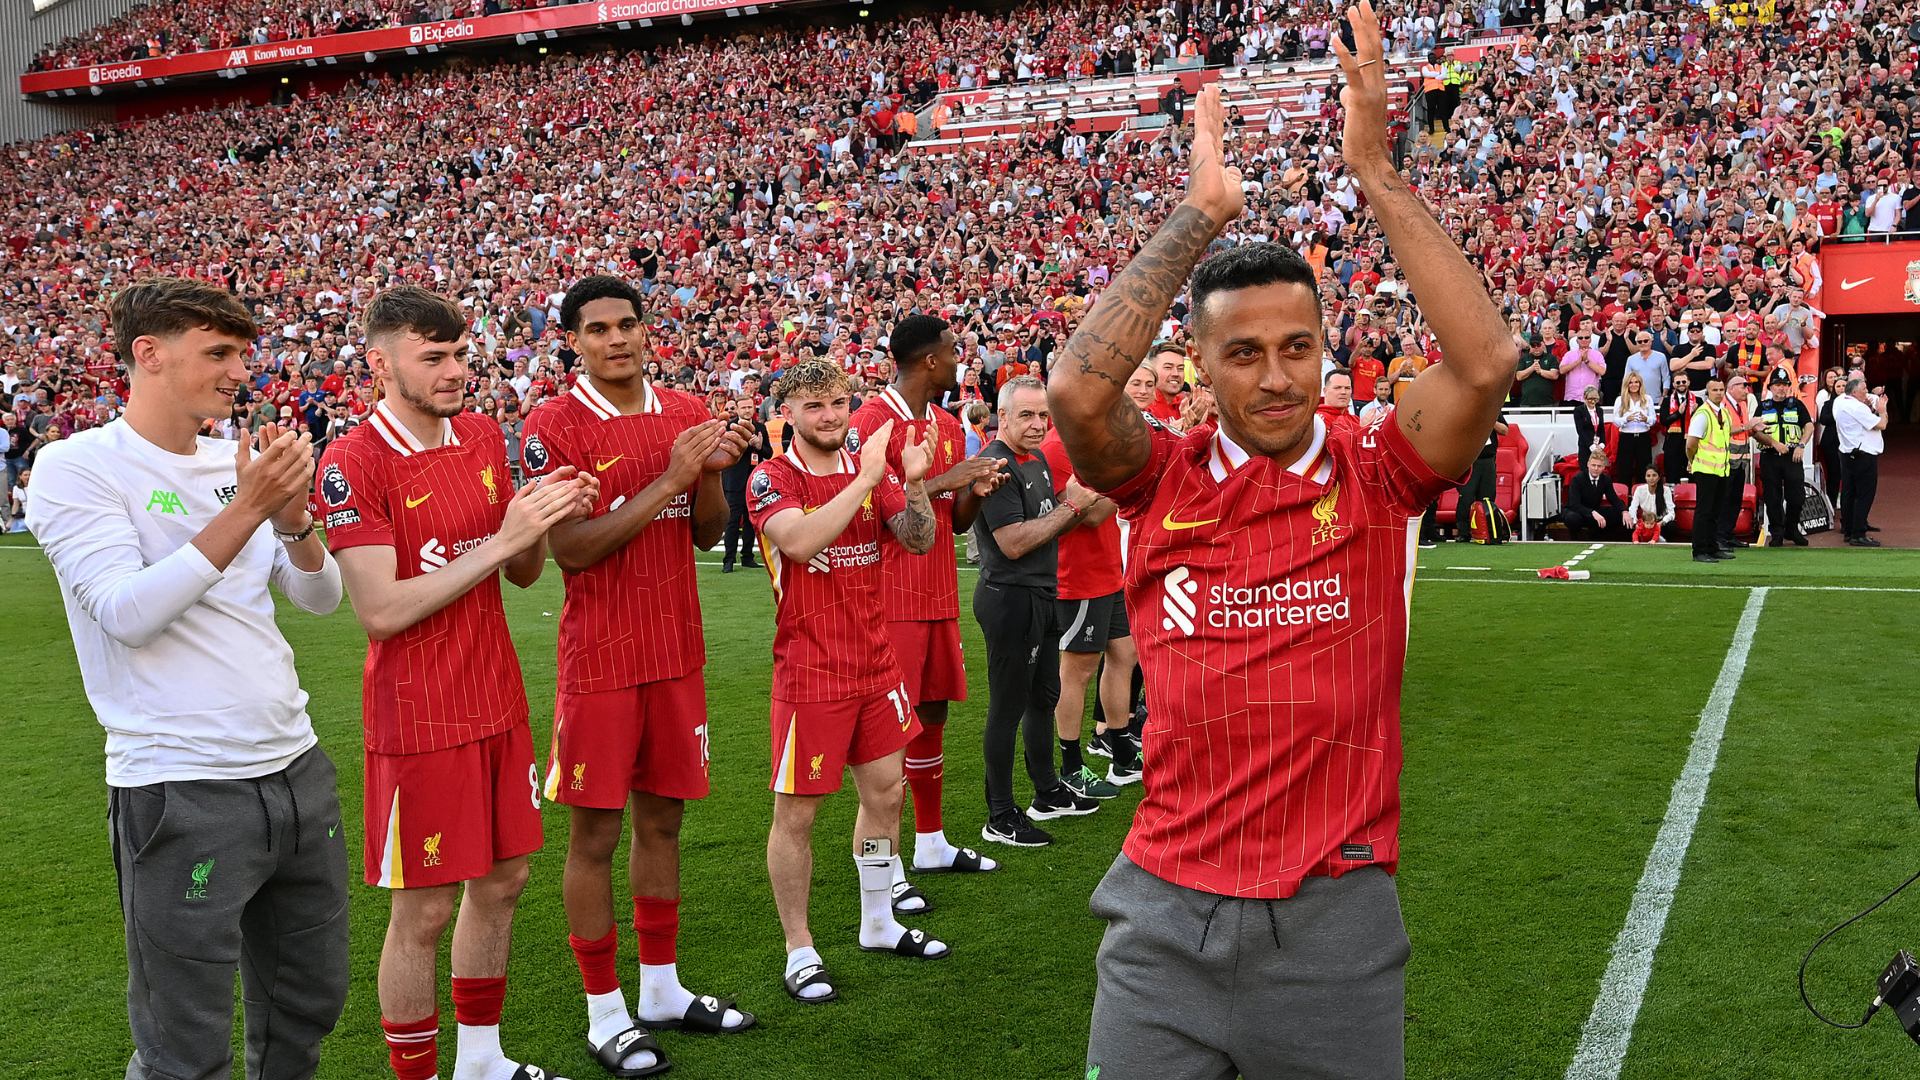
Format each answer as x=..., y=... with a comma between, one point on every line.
x=294, y=538
x=1068, y=503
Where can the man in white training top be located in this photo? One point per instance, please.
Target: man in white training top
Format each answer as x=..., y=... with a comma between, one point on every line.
x=224, y=821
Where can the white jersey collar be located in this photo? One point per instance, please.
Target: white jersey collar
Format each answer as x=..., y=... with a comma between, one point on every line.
x=396, y=434
x=1228, y=456
x=589, y=395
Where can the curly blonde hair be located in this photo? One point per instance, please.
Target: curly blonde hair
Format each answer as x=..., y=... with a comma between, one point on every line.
x=815, y=378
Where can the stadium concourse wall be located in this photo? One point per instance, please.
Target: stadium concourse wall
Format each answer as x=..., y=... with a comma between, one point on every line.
x=23, y=33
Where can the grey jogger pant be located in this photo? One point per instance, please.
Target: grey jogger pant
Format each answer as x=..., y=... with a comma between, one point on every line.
x=219, y=873
x=1197, y=986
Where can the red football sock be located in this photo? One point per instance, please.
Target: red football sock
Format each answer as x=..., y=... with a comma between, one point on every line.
x=596, y=959
x=657, y=922
x=476, y=1002
x=413, y=1047
x=925, y=766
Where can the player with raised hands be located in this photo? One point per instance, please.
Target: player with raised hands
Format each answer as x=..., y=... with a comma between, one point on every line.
x=1268, y=587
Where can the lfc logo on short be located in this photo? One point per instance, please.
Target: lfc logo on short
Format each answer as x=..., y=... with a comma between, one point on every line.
x=580, y=777
x=817, y=760
x=1326, y=511
x=432, y=846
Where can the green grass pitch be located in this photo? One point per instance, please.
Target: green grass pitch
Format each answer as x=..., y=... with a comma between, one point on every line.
x=1544, y=725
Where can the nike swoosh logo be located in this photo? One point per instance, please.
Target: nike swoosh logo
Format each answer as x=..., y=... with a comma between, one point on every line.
x=603, y=466
x=1849, y=286
x=1175, y=526
x=410, y=1057
x=411, y=503
x=333, y=830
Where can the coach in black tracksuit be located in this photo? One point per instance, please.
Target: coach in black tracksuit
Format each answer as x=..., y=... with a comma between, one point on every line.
x=1017, y=531
x=733, y=483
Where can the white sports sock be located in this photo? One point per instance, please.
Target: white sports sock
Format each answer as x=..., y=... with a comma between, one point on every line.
x=878, y=927
x=663, y=998
x=805, y=956
x=931, y=850
x=479, y=1056
x=900, y=884
x=607, y=1017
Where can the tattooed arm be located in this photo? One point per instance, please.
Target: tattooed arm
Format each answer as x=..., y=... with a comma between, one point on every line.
x=913, y=527
x=1105, y=434
x=1450, y=407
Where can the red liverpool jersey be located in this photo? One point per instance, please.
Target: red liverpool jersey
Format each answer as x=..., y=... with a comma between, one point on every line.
x=1270, y=608
x=919, y=588
x=831, y=640
x=452, y=677
x=1089, y=558
x=633, y=617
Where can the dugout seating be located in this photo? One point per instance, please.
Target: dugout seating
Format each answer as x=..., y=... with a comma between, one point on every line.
x=1510, y=463
x=1744, y=529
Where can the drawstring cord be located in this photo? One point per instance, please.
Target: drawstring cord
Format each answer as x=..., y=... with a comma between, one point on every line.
x=1204, y=930
x=1273, y=925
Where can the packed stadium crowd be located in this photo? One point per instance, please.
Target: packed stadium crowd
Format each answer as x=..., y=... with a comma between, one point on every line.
x=1618, y=170
x=607, y=270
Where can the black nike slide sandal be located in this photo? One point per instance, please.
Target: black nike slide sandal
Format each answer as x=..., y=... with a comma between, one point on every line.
x=704, y=1017
x=614, y=1051
x=811, y=975
x=907, y=890
x=965, y=861
x=912, y=945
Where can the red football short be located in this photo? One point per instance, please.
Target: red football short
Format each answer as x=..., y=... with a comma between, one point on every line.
x=448, y=815
x=814, y=741
x=651, y=737
x=930, y=659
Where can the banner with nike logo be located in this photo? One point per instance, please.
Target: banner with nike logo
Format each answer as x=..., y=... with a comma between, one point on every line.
x=1869, y=278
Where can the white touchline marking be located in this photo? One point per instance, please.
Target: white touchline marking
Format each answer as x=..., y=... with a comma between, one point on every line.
x=1469, y=567
x=1603, y=1042
x=1667, y=585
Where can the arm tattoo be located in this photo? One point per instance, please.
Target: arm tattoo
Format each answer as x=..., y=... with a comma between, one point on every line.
x=914, y=525
x=1415, y=422
x=1099, y=358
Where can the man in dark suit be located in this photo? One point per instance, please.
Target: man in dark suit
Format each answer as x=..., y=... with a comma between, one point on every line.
x=1592, y=506
x=734, y=483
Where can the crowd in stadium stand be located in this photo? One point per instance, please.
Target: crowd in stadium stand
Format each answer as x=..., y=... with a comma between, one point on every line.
x=1618, y=169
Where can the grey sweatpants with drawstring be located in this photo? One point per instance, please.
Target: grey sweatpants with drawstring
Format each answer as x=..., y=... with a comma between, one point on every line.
x=216, y=874
x=1198, y=986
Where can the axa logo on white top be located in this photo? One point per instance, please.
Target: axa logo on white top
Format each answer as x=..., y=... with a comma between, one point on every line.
x=1308, y=601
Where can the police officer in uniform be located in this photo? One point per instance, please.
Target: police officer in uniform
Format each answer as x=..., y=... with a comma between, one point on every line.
x=1785, y=428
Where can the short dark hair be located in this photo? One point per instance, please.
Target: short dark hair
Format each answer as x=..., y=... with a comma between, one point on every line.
x=1248, y=266
x=166, y=307
x=589, y=289
x=914, y=337
x=410, y=309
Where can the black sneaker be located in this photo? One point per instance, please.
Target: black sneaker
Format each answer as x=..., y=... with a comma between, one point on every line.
x=1121, y=775
x=1015, y=830
x=1060, y=802
x=1097, y=745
